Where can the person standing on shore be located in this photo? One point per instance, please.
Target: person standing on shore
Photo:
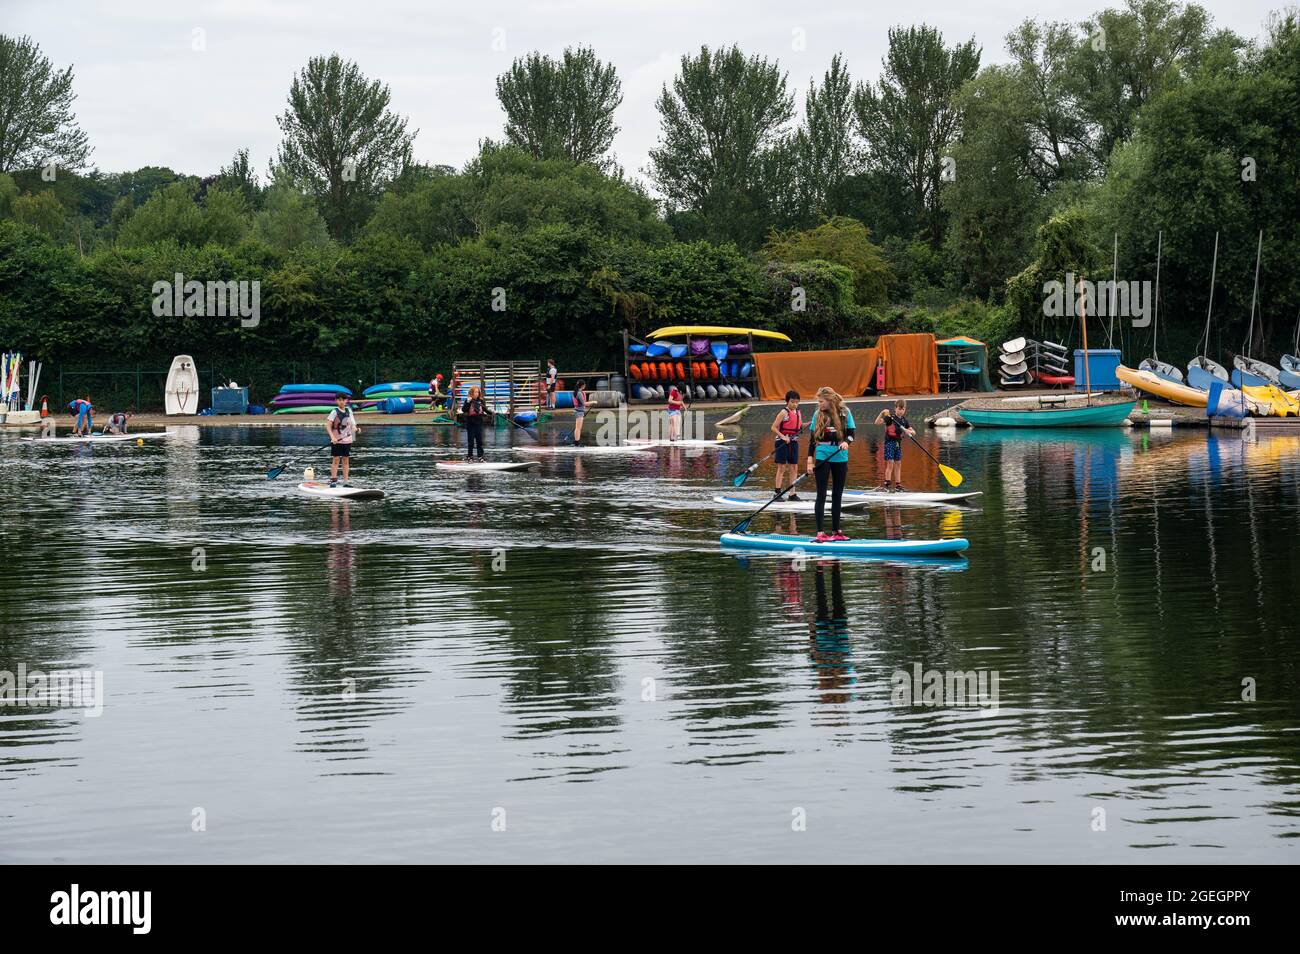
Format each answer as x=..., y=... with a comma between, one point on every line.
x=341, y=426
x=552, y=379
x=474, y=411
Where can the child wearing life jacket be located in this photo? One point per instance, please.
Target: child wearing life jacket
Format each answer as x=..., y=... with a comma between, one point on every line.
x=675, y=408
x=341, y=426
x=786, y=427
x=896, y=425
x=833, y=430
x=579, y=409
x=474, y=411
x=117, y=423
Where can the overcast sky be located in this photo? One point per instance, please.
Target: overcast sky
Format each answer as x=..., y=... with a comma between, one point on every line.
x=185, y=84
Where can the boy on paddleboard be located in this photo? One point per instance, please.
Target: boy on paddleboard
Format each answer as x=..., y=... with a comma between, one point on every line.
x=341, y=426
x=786, y=427
x=117, y=423
x=896, y=425
x=474, y=410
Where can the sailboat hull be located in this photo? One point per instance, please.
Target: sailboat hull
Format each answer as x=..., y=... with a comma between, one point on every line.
x=1094, y=415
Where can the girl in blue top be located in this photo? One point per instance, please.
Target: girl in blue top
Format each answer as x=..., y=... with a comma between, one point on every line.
x=832, y=430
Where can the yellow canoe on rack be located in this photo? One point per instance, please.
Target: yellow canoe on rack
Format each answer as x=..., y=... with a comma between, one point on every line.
x=713, y=330
x=1162, y=388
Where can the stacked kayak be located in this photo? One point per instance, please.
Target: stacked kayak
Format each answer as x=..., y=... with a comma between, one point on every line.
x=307, y=398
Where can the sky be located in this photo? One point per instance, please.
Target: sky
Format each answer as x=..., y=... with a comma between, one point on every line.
x=185, y=84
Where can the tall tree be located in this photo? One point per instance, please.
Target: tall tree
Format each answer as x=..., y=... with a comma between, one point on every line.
x=561, y=109
x=341, y=143
x=239, y=176
x=1061, y=143
x=724, y=145
x=829, y=155
x=36, y=121
x=910, y=117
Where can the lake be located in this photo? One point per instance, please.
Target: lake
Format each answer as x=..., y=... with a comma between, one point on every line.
x=563, y=666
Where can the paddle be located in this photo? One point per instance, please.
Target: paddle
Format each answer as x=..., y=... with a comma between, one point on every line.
x=953, y=477
x=739, y=479
x=275, y=472
x=743, y=526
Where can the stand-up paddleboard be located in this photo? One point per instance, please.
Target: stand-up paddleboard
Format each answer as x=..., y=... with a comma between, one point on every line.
x=918, y=499
x=587, y=449
x=784, y=506
x=319, y=489
x=97, y=438
x=181, y=393
x=693, y=442
x=787, y=542
x=486, y=465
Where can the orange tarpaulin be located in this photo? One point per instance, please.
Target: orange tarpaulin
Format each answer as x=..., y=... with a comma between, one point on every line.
x=911, y=367
x=848, y=372
x=911, y=364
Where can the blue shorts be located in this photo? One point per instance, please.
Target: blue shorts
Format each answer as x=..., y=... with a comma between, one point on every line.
x=893, y=450
x=787, y=453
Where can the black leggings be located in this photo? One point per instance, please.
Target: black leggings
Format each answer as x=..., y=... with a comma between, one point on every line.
x=474, y=433
x=837, y=474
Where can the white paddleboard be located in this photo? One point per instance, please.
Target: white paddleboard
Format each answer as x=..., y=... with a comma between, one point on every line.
x=643, y=443
x=486, y=465
x=914, y=499
x=802, y=505
x=1012, y=359
x=181, y=392
x=97, y=438
x=319, y=489
x=1014, y=345
x=585, y=449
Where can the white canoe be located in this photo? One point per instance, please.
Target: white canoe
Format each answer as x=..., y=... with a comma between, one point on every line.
x=318, y=489
x=97, y=438
x=479, y=465
x=802, y=505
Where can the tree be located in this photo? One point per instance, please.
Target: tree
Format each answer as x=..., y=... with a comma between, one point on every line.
x=341, y=143
x=561, y=109
x=174, y=215
x=36, y=122
x=289, y=219
x=841, y=241
x=42, y=212
x=723, y=143
x=239, y=176
x=910, y=118
x=1061, y=144
x=828, y=154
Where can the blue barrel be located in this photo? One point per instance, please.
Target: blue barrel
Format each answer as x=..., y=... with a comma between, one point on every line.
x=402, y=405
x=564, y=399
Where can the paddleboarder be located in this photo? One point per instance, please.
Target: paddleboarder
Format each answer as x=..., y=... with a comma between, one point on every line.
x=341, y=426
x=83, y=410
x=832, y=431
x=579, y=409
x=675, y=409
x=117, y=423
x=896, y=425
x=786, y=427
x=474, y=410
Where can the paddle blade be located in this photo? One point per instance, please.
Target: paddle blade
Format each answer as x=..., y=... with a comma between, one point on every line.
x=275, y=472
x=953, y=477
x=740, y=481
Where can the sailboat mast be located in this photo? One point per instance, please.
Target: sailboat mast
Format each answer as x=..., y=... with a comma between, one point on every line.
x=1083, y=326
x=1155, y=322
x=1214, y=270
x=1110, y=303
x=1250, y=335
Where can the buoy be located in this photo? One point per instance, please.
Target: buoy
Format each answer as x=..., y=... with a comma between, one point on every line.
x=721, y=436
x=139, y=442
x=944, y=422
x=1160, y=422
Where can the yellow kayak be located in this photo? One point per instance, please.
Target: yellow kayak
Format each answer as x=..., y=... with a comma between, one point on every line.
x=716, y=330
x=1161, y=388
x=1274, y=401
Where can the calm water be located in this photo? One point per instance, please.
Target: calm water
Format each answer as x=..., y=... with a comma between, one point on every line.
x=368, y=682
